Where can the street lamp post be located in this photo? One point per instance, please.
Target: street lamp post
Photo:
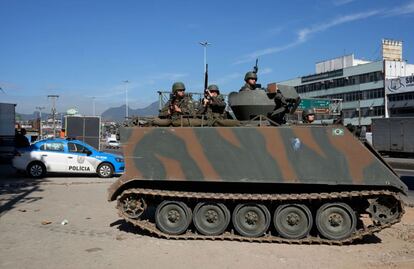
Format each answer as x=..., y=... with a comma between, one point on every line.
x=205, y=44
x=40, y=108
x=126, y=98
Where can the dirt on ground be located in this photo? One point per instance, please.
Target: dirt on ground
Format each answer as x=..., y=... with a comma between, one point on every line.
x=68, y=223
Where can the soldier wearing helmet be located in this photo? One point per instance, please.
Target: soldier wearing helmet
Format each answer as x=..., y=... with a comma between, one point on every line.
x=179, y=103
x=250, y=78
x=213, y=103
x=308, y=115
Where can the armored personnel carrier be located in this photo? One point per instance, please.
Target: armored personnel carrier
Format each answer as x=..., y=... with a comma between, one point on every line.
x=256, y=182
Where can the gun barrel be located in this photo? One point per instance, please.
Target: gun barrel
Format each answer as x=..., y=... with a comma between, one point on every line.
x=206, y=78
x=256, y=67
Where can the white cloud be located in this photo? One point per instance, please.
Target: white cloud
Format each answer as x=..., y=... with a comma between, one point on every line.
x=265, y=71
x=408, y=8
x=252, y=56
x=342, y=2
x=303, y=34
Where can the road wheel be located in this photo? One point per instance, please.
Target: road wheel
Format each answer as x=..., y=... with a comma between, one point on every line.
x=105, y=170
x=211, y=218
x=173, y=217
x=251, y=220
x=335, y=221
x=293, y=221
x=36, y=170
x=132, y=205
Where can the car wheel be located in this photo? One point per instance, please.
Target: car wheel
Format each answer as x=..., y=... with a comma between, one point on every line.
x=36, y=170
x=105, y=170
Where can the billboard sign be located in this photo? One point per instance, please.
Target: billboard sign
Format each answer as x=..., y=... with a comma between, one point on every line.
x=399, y=85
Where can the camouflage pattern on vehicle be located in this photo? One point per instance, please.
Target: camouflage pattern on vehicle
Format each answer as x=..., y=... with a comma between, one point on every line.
x=298, y=183
x=255, y=179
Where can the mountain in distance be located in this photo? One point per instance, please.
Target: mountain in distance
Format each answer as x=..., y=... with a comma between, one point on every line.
x=111, y=114
x=118, y=113
x=33, y=116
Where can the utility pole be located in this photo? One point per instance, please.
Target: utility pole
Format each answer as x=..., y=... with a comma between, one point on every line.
x=205, y=44
x=126, y=98
x=40, y=108
x=53, y=97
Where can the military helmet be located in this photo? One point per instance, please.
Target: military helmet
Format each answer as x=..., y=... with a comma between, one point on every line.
x=249, y=75
x=213, y=88
x=307, y=112
x=178, y=86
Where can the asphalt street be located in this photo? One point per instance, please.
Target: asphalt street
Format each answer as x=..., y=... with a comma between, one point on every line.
x=66, y=222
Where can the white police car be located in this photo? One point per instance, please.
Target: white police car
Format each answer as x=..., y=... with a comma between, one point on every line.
x=66, y=156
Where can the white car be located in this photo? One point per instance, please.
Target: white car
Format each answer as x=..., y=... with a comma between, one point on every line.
x=113, y=143
x=66, y=156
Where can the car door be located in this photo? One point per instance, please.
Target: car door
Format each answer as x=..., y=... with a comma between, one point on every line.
x=77, y=159
x=53, y=155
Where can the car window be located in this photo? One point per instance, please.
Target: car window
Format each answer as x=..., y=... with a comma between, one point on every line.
x=52, y=146
x=73, y=147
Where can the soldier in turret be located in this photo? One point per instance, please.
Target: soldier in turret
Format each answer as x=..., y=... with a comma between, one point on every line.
x=308, y=115
x=250, y=78
x=179, y=103
x=213, y=104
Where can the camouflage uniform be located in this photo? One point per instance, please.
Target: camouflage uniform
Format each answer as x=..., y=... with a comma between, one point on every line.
x=185, y=103
x=247, y=86
x=215, y=106
x=215, y=110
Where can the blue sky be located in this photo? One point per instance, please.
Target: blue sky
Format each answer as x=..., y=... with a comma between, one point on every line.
x=85, y=49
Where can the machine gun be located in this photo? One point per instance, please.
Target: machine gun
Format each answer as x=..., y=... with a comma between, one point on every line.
x=256, y=70
x=206, y=91
x=286, y=101
x=173, y=100
x=256, y=67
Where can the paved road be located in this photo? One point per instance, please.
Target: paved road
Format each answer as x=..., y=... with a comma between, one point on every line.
x=95, y=237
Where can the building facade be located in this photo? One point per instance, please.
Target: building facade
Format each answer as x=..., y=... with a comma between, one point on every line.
x=361, y=85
